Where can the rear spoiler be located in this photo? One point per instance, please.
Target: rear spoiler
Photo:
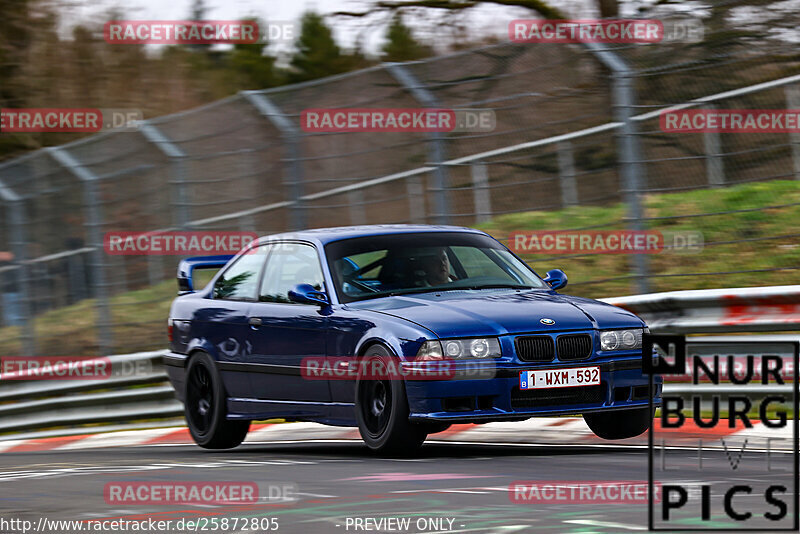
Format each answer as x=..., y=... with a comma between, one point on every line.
x=186, y=269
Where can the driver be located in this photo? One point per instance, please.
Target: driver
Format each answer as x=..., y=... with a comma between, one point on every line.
x=435, y=266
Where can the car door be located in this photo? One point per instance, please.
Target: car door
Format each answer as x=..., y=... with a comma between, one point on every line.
x=285, y=332
x=222, y=321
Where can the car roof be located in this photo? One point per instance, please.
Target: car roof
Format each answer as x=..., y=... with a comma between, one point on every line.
x=328, y=235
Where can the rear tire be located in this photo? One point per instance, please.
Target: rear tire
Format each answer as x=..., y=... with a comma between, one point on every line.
x=620, y=424
x=205, y=406
x=382, y=411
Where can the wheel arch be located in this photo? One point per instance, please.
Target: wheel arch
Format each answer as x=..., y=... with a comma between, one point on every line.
x=194, y=352
x=371, y=342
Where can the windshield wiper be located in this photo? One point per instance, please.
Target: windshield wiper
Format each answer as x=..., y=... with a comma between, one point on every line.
x=458, y=288
x=501, y=286
x=397, y=292
x=411, y=291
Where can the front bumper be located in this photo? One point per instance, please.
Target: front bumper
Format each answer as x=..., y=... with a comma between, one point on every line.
x=623, y=386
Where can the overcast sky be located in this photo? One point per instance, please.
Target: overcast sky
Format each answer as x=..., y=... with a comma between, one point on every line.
x=484, y=20
x=427, y=24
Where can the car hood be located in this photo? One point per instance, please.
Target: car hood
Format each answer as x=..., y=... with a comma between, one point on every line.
x=472, y=313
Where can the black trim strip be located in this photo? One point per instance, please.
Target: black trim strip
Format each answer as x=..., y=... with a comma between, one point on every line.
x=174, y=360
x=179, y=360
x=267, y=368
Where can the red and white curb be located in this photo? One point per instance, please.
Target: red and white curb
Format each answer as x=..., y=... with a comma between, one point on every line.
x=558, y=430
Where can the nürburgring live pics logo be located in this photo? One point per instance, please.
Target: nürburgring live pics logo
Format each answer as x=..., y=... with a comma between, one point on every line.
x=741, y=403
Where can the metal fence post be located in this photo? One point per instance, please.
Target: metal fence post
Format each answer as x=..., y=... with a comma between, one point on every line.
x=630, y=150
x=416, y=199
x=177, y=158
x=116, y=264
x=566, y=174
x=437, y=152
x=293, y=168
x=793, y=102
x=480, y=191
x=358, y=214
x=15, y=211
x=246, y=224
x=155, y=269
x=75, y=269
x=94, y=228
x=714, y=165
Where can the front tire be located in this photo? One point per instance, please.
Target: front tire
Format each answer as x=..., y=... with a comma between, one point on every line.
x=205, y=406
x=620, y=424
x=382, y=409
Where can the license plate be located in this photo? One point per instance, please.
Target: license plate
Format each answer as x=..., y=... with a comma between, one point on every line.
x=559, y=378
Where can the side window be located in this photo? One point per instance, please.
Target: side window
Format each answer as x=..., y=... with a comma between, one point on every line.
x=240, y=280
x=290, y=264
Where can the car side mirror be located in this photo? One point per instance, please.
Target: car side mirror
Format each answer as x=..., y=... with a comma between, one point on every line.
x=556, y=278
x=306, y=294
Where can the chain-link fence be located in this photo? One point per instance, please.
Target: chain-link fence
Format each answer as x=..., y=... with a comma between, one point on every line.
x=577, y=145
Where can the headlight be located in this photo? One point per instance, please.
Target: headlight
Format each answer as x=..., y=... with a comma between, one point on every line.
x=479, y=348
x=621, y=339
x=430, y=350
x=460, y=348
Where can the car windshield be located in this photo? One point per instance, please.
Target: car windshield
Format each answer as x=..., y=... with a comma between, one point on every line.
x=383, y=265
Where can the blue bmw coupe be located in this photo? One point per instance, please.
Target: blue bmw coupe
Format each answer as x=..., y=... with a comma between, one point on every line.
x=470, y=333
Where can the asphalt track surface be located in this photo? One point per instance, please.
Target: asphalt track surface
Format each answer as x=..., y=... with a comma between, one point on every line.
x=335, y=482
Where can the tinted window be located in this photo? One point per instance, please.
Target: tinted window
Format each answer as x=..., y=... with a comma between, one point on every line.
x=290, y=264
x=476, y=263
x=480, y=263
x=240, y=280
x=375, y=266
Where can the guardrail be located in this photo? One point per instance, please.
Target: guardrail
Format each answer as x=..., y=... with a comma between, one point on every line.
x=137, y=389
x=751, y=309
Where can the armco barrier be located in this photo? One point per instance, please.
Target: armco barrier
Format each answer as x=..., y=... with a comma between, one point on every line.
x=751, y=309
x=145, y=396
x=137, y=390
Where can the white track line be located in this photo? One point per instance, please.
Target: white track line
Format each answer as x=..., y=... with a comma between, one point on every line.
x=536, y=429
x=118, y=439
x=759, y=432
x=605, y=524
x=296, y=431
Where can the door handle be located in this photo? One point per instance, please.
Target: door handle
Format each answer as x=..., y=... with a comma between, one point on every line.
x=255, y=321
